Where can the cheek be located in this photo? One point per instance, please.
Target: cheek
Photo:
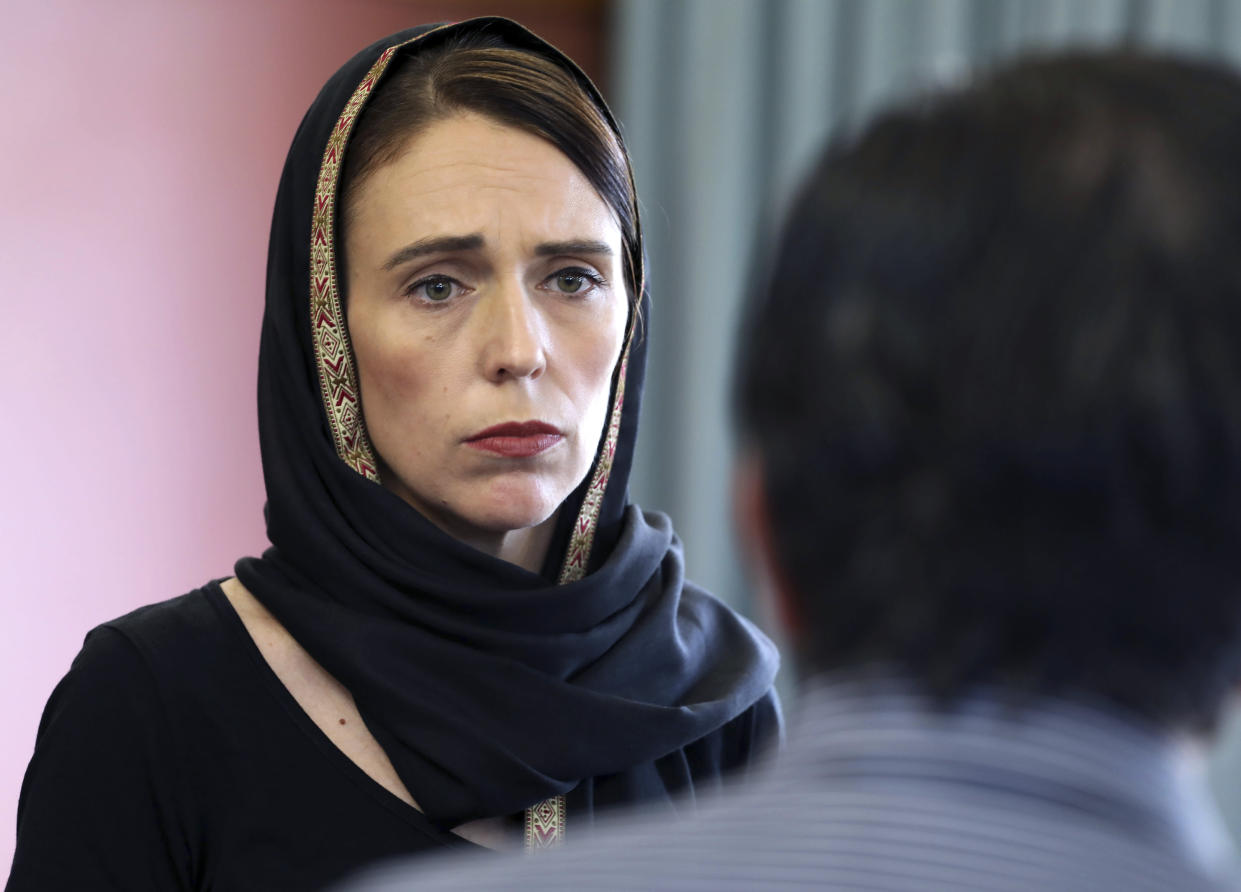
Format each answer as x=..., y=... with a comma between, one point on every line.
x=397, y=377
x=597, y=358
x=382, y=365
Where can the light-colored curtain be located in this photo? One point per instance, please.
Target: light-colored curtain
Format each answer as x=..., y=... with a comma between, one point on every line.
x=724, y=103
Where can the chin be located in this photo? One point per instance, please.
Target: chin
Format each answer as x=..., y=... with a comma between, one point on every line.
x=500, y=505
x=505, y=517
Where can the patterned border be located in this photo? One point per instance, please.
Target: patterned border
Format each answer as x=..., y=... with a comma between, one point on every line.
x=338, y=385
x=338, y=380
x=578, y=555
x=545, y=825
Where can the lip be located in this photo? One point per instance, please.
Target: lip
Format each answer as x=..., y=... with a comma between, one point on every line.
x=516, y=439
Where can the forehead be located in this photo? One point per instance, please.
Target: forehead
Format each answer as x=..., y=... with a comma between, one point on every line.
x=466, y=172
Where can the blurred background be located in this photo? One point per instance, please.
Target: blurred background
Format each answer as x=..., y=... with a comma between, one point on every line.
x=141, y=145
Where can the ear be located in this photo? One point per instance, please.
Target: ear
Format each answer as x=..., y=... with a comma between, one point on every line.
x=752, y=518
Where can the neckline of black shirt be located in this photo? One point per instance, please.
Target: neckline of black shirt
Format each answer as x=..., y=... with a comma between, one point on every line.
x=315, y=735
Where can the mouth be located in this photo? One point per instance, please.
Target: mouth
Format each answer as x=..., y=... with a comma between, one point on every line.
x=523, y=439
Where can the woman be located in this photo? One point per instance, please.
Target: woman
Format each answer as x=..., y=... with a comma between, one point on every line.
x=462, y=634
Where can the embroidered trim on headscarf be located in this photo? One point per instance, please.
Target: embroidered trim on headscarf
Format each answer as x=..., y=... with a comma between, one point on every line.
x=338, y=381
x=587, y=519
x=545, y=825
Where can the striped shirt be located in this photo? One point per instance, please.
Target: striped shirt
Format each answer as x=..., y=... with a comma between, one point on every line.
x=877, y=792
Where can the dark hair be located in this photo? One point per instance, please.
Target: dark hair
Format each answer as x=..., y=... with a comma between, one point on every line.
x=994, y=383
x=479, y=72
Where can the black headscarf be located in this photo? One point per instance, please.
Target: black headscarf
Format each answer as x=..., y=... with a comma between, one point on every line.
x=489, y=687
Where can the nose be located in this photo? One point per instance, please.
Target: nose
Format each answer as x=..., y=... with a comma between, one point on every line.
x=513, y=336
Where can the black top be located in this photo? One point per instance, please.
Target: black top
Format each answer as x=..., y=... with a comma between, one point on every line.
x=171, y=757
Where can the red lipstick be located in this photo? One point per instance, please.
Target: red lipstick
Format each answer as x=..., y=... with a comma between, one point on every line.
x=516, y=439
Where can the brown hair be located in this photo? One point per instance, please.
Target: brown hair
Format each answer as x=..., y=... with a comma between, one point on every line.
x=516, y=87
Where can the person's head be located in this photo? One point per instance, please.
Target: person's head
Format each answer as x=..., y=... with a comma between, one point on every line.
x=490, y=261
x=992, y=389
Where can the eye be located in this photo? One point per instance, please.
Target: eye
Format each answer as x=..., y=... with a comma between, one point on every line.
x=574, y=280
x=434, y=289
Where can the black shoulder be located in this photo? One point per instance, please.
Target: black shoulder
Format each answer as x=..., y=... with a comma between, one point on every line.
x=122, y=689
x=102, y=794
x=182, y=637
x=128, y=671
x=187, y=616
x=107, y=673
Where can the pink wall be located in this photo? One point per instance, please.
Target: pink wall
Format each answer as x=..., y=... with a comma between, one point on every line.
x=139, y=152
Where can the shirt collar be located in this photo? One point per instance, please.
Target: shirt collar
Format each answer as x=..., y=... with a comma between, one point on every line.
x=1086, y=757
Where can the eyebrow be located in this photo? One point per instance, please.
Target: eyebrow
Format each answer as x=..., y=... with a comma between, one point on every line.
x=433, y=245
x=450, y=243
x=552, y=248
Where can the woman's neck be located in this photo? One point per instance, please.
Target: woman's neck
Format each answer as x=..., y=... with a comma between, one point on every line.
x=527, y=548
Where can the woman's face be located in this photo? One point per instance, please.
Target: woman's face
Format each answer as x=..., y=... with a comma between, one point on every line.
x=486, y=305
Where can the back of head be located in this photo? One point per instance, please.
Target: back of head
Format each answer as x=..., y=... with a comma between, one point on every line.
x=995, y=388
